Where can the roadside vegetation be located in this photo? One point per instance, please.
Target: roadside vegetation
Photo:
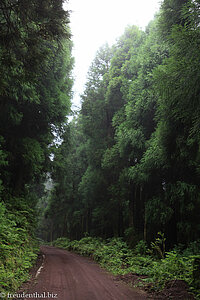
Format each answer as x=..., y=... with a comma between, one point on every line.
x=153, y=266
x=18, y=247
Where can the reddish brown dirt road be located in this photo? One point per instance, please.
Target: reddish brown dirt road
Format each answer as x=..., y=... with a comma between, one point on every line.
x=67, y=276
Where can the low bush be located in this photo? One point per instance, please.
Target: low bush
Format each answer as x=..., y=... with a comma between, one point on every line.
x=61, y=242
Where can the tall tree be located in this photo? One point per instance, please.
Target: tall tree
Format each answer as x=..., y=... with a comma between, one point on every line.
x=177, y=84
x=35, y=85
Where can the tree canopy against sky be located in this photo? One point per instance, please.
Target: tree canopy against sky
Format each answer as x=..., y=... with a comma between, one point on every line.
x=136, y=139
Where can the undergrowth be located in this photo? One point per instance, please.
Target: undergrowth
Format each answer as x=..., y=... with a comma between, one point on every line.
x=18, y=250
x=115, y=255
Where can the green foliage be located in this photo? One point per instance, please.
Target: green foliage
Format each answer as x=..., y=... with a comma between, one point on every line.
x=141, y=247
x=18, y=248
x=158, y=246
x=62, y=242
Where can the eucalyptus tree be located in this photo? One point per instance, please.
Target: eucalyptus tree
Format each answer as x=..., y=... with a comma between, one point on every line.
x=96, y=126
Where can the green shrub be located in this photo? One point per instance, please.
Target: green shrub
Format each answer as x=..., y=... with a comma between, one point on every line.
x=61, y=242
x=141, y=247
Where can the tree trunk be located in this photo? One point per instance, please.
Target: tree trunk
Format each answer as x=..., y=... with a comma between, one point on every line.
x=131, y=208
x=145, y=223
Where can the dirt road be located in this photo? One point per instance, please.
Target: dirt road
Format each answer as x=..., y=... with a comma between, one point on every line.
x=67, y=276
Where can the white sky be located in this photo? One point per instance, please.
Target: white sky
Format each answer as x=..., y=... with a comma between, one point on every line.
x=95, y=22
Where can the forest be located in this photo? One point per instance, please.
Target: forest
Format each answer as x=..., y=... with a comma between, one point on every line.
x=126, y=168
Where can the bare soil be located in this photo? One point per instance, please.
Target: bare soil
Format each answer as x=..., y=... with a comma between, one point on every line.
x=173, y=290
x=68, y=276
